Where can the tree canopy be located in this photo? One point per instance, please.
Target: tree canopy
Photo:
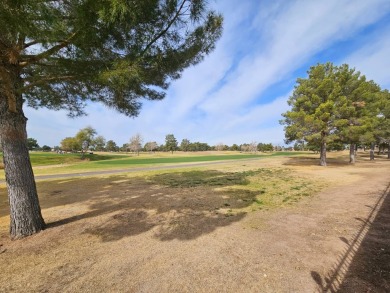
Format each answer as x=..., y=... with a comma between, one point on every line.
x=382, y=131
x=114, y=52
x=135, y=143
x=170, y=143
x=312, y=109
x=86, y=137
x=32, y=143
x=111, y=146
x=184, y=145
x=334, y=104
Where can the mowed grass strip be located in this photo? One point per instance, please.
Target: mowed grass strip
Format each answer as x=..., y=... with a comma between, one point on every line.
x=53, y=163
x=167, y=160
x=153, y=160
x=134, y=162
x=48, y=158
x=45, y=159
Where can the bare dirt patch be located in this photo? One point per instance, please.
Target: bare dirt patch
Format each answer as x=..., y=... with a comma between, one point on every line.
x=176, y=232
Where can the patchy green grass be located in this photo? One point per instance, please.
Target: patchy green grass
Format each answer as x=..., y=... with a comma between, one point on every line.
x=52, y=163
x=203, y=178
x=49, y=158
x=280, y=186
x=226, y=191
x=263, y=188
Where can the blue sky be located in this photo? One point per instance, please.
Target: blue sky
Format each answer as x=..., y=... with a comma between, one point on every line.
x=237, y=94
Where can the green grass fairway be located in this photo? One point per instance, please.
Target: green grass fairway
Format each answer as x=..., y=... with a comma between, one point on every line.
x=128, y=161
x=49, y=158
x=44, y=159
x=52, y=163
x=167, y=160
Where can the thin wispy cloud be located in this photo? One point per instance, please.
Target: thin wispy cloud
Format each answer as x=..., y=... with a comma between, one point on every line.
x=238, y=93
x=295, y=35
x=373, y=59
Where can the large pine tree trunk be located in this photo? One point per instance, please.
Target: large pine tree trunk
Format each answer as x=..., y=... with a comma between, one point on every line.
x=25, y=212
x=372, y=151
x=352, y=158
x=323, y=154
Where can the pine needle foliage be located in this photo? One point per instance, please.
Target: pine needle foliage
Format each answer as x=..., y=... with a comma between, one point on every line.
x=116, y=52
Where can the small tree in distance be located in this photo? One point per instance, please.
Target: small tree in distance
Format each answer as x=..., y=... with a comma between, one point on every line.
x=170, y=143
x=111, y=146
x=253, y=147
x=151, y=146
x=86, y=137
x=46, y=148
x=99, y=143
x=32, y=144
x=265, y=147
x=185, y=145
x=219, y=147
x=235, y=147
x=124, y=147
x=135, y=144
x=70, y=144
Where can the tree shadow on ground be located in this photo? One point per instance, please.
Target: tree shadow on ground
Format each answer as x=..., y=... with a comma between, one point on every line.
x=342, y=160
x=175, y=205
x=365, y=264
x=381, y=157
x=310, y=161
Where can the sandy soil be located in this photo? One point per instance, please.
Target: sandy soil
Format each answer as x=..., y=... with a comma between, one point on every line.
x=125, y=234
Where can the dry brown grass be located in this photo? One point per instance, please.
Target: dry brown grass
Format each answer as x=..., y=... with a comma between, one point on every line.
x=258, y=226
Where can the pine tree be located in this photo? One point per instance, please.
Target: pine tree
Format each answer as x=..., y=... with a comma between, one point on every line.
x=333, y=105
x=170, y=143
x=312, y=109
x=355, y=115
x=61, y=54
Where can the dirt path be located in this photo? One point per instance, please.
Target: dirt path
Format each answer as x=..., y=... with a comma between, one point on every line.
x=125, y=235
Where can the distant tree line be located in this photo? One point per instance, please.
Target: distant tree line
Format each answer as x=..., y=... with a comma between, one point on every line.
x=33, y=145
x=87, y=139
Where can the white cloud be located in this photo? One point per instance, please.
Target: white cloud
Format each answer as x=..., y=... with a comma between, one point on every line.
x=373, y=59
x=296, y=33
x=260, y=115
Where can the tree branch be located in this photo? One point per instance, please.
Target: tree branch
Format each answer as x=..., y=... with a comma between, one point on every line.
x=20, y=44
x=47, y=80
x=48, y=52
x=26, y=45
x=159, y=35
